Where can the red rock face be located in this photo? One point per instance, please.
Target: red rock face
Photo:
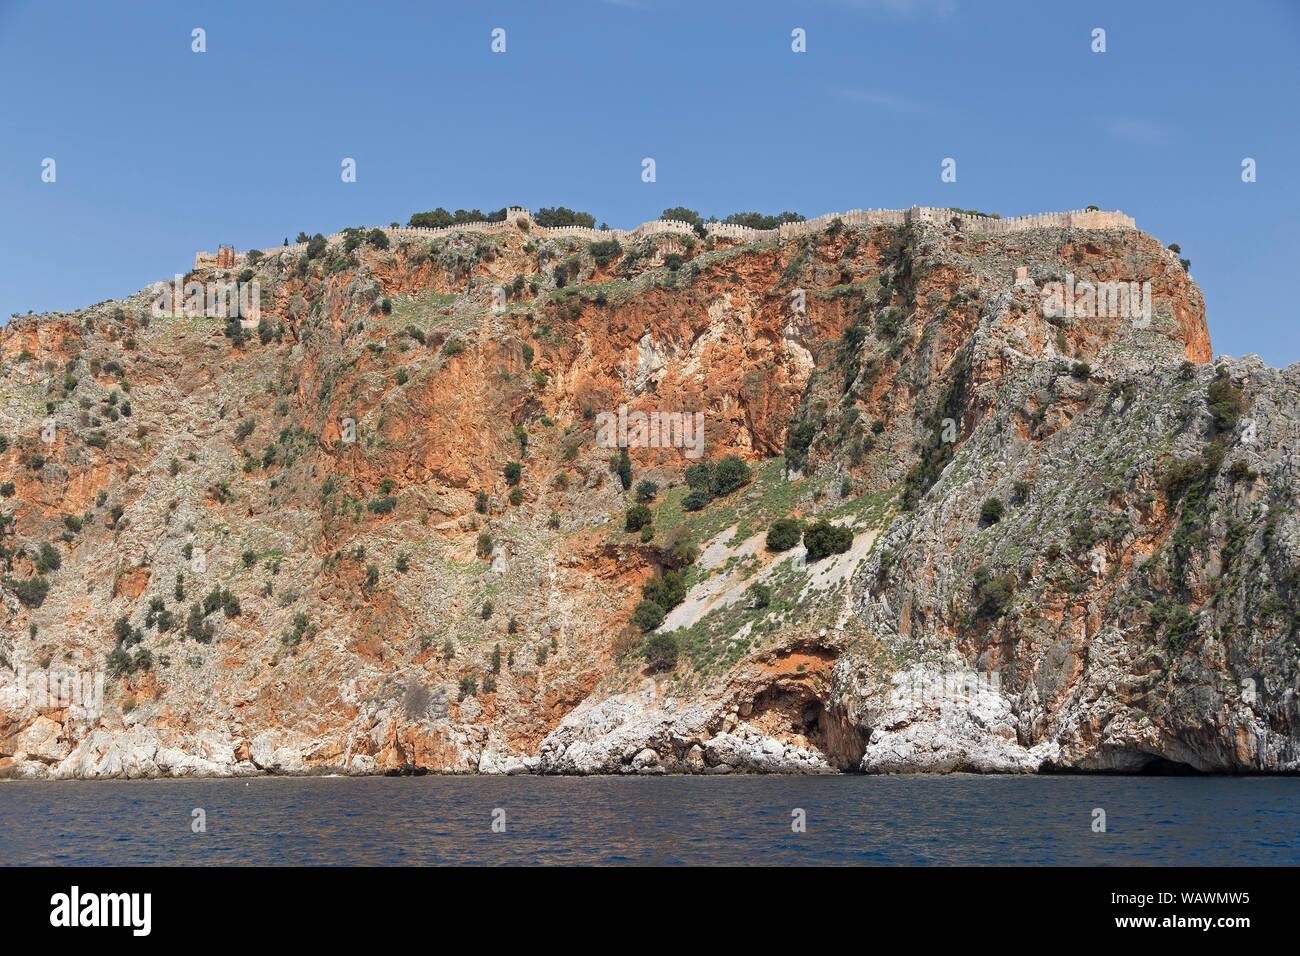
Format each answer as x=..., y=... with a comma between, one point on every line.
x=330, y=470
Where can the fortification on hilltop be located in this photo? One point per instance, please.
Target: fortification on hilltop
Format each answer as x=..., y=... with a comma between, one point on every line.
x=519, y=219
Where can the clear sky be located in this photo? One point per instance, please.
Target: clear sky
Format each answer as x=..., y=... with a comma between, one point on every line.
x=161, y=151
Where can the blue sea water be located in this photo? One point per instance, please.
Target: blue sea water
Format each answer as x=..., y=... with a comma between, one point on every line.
x=960, y=819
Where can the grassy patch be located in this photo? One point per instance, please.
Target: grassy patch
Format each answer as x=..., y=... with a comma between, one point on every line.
x=424, y=310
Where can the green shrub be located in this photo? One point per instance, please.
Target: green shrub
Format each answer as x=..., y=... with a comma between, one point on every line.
x=196, y=627
x=48, y=558
x=696, y=500
x=666, y=590
x=624, y=469
x=1226, y=402
x=699, y=477
x=31, y=592
x=637, y=517
x=661, y=652
x=822, y=539
x=119, y=662
x=1083, y=535
x=889, y=322
x=730, y=475
x=992, y=593
x=646, y=490
x=513, y=471
x=606, y=251
x=784, y=534
x=563, y=216
x=991, y=511
x=302, y=630
x=648, y=615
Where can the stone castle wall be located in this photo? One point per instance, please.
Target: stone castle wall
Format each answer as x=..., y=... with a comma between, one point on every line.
x=521, y=220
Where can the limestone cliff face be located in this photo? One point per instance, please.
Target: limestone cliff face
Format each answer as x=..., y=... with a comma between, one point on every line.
x=1070, y=539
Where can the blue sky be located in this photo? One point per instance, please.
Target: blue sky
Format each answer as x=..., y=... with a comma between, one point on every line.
x=161, y=151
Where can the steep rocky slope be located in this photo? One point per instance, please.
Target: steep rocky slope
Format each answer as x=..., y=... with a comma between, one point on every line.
x=300, y=546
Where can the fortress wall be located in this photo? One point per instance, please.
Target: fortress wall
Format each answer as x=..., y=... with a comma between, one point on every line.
x=658, y=226
x=728, y=230
x=516, y=218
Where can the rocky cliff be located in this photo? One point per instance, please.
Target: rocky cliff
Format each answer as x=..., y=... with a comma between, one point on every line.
x=932, y=520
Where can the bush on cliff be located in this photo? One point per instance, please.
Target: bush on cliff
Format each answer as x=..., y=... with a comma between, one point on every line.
x=991, y=511
x=699, y=476
x=648, y=615
x=667, y=590
x=823, y=539
x=637, y=517
x=730, y=475
x=31, y=592
x=696, y=500
x=624, y=469
x=196, y=627
x=992, y=593
x=661, y=652
x=784, y=534
x=605, y=251
x=48, y=558
x=1226, y=402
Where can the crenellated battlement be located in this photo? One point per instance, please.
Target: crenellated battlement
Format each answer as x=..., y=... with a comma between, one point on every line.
x=521, y=220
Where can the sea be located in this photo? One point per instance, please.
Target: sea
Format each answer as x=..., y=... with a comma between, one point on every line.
x=671, y=820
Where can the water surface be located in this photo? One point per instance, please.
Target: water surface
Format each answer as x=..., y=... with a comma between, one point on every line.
x=918, y=820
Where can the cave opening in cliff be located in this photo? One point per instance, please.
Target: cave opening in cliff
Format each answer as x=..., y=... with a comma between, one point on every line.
x=795, y=713
x=1164, y=767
